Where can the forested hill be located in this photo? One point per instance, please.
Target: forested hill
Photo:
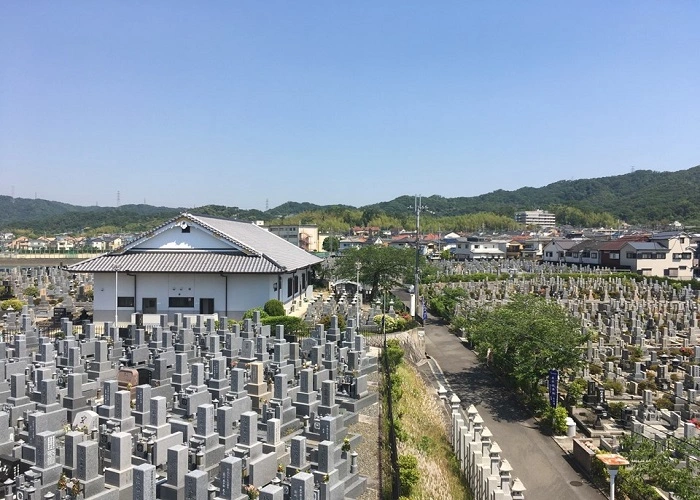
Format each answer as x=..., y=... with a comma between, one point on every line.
x=641, y=197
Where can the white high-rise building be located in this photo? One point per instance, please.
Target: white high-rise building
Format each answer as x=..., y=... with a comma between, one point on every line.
x=535, y=218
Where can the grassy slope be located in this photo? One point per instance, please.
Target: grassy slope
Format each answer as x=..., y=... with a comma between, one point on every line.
x=423, y=421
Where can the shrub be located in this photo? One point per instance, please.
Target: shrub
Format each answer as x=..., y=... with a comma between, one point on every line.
x=615, y=386
x=292, y=324
x=249, y=313
x=644, y=385
x=396, y=324
x=664, y=403
x=15, y=303
x=688, y=352
x=274, y=307
x=574, y=391
x=596, y=369
x=555, y=419
x=616, y=408
x=326, y=320
x=408, y=473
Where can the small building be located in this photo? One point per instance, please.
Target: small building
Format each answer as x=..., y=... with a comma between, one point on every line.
x=198, y=265
x=303, y=235
x=555, y=250
x=477, y=248
x=532, y=249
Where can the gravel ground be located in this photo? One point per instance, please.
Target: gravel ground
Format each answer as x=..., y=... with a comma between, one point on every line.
x=368, y=450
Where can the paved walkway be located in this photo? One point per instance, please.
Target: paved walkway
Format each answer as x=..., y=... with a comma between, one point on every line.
x=543, y=467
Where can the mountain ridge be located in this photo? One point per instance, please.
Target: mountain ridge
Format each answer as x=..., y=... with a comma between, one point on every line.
x=642, y=196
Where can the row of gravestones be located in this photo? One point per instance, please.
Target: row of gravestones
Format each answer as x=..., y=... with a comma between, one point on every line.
x=654, y=324
x=66, y=414
x=55, y=286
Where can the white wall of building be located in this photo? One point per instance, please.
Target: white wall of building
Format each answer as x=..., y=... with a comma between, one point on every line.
x=175, y=239
x=245, y=291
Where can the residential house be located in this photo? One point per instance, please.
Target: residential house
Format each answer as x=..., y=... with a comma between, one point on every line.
x=98, y=243
x=63, y=243
x=198, y=265
x=113, y=242
x=367, y=232
x=668, y=254
x=477, y=248
x=514, y=249
x=351, y=242
x=24, y=244
x=533, y=248
x=403, y=241
x=555, y=250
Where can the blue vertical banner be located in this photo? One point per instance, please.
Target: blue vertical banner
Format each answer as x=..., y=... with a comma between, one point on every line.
x=553, y=387
x=425, y=310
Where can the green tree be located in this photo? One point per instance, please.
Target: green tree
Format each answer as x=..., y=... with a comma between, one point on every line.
x=525, y=338
x=331, y=244
x=31, y=291
x=381, y=267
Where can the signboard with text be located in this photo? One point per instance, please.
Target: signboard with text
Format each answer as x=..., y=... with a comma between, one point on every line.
x=553, y=380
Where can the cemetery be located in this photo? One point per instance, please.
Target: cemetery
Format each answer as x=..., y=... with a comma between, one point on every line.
x=187, y=405
x=182, y=409
x=641, y=367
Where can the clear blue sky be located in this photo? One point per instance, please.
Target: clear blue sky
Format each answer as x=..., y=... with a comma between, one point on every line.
x=354, y=102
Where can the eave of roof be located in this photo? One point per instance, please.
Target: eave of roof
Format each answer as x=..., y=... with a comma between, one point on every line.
x=177, y=262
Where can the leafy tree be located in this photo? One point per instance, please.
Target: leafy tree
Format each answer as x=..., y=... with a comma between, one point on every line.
x=274, y=307
x=659, y=464
x=331, y=244
x=381, y=267
x=444, y=303
x=31, y=291
x=525, y=338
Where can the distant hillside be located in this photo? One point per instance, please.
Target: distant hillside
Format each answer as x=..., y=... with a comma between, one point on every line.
x=641, y=197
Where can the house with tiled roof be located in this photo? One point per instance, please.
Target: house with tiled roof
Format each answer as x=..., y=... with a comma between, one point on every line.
x=668, y=254
x=586, y=252
x=198, y=265
x=555, y=250
x=351, y=242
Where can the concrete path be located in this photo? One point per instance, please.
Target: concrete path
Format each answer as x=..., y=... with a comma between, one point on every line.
x=543, y=467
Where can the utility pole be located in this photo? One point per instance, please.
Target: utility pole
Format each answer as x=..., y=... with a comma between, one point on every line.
x=416, y=291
